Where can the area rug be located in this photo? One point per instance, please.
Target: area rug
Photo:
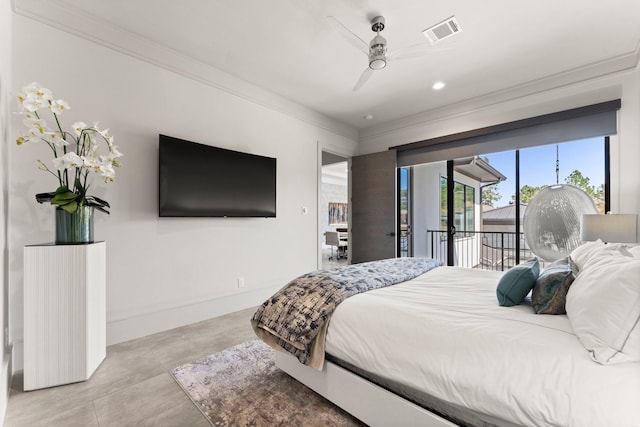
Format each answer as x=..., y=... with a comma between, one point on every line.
x=241, y=386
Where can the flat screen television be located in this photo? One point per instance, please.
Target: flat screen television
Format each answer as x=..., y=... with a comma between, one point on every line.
x=198, y=180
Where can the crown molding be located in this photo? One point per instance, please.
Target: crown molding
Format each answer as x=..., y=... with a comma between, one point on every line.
x=58, y=14
x=611, y=66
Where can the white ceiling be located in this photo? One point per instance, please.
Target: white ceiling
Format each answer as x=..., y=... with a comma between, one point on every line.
x=289, y=48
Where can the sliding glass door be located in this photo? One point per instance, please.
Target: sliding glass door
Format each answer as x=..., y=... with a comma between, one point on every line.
x=469, y=211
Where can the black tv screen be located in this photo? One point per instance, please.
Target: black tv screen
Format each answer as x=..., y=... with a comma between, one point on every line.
x=197, y=180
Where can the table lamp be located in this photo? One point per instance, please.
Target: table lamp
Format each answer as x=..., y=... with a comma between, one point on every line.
x=614, y=228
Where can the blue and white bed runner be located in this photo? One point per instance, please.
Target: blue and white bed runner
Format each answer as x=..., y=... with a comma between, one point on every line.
x=295, y=318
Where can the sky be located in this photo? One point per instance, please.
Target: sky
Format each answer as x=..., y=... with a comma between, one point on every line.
x=538, y=165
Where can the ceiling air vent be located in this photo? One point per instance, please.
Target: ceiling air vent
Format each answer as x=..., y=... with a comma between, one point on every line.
x=442, y=30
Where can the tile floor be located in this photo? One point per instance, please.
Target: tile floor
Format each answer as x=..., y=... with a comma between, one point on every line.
x=331, y=263
x=132, y=387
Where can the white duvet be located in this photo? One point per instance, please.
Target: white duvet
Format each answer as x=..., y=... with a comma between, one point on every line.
x=445, y=333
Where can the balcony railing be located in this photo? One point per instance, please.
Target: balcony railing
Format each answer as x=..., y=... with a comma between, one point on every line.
x=487, y=250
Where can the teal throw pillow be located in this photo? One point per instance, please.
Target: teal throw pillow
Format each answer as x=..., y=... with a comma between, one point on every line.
x=550, y=290
x=515, y=283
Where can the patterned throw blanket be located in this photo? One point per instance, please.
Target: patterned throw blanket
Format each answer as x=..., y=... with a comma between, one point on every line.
x=295, y=318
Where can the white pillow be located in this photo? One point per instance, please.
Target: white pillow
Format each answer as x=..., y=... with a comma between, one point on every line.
x=635, y=251
x=589, y=252
x=581, y=255
x=603, y=306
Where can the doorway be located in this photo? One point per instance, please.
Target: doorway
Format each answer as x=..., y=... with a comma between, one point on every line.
x=333, y=211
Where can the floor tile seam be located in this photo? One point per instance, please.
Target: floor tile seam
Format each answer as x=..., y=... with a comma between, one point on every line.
x=35, y=417
x=95, y=413
x=166, y=408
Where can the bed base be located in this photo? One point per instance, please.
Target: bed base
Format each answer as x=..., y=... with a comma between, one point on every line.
x=363, y=399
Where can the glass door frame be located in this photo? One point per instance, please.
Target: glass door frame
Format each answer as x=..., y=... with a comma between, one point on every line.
x=408, y=233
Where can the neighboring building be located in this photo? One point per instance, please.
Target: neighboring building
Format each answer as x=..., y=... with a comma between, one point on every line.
x=502, y=218
x=471, y=174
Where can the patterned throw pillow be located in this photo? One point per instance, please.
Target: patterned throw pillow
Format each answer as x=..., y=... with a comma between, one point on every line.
x=516, y=283
x=550, y=290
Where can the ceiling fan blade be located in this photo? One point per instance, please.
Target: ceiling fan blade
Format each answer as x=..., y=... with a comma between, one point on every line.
x=364, y=77
x=349, y=35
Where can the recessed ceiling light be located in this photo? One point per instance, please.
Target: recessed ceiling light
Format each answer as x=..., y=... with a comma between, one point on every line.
x=438, y=85
x=368, y=117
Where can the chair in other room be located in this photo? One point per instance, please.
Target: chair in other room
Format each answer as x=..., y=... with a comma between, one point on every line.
x=332, y=238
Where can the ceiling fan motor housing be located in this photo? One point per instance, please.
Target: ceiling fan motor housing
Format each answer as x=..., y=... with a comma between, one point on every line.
x=378, y=45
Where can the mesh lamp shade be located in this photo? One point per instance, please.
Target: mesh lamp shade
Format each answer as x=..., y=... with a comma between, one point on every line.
x=620, y=228
x=552, y=220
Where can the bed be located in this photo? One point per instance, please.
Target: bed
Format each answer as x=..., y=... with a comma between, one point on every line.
x=439, y=350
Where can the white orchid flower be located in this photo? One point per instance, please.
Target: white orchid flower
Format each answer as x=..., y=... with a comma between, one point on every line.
x=115, y=153
x=69, y=161
x=59, y=106
x=33, y=121
x=37, y=132
x=22, y=97
x=107, y=171
x=78, y=127
x=91, y=162
x=34, y=90
x=28, y=118
x=56, y=139
x=104, y=133
x=35, y=104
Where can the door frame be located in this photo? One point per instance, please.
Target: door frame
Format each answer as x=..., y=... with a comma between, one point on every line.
x=338, y=151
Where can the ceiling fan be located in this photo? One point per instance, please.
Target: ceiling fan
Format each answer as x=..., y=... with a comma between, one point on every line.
x=376, y=49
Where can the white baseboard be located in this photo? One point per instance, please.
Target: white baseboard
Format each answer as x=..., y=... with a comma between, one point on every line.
x=137, y=326
x=145, y=324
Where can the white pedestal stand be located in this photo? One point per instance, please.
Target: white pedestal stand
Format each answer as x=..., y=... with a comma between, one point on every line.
x=64, y=313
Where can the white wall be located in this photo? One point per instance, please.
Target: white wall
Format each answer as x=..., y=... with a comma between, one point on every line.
x=5, y=141
x=625, y=150
x=166, y=272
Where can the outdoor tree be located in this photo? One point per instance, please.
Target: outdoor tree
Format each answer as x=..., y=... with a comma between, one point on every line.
x=577, y=179
x=404, y=198
x=526, y=193
x=490, y=195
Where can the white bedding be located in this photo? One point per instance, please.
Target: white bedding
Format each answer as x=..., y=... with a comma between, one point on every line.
x=445, y=333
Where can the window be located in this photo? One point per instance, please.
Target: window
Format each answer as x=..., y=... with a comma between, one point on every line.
x=463, y=207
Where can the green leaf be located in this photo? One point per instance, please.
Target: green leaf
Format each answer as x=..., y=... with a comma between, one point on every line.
x=101, y=209
x=44, y=197
x=64, y=197
x=69, y=207
x=62, y=189
x=98, y=201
